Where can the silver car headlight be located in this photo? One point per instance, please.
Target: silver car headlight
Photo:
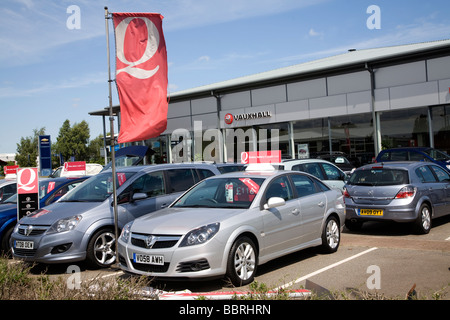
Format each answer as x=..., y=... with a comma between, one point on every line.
x=65, y=224
x=126, y=232
x=200, y=235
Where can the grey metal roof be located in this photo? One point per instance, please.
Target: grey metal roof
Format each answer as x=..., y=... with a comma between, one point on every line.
x=338, y=61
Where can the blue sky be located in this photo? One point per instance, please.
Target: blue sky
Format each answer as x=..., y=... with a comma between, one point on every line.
x=50, y=73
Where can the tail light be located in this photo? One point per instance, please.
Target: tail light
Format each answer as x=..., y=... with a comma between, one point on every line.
x=406, y=192
x=346, y=194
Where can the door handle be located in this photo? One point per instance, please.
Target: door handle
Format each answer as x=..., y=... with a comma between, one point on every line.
x=295, y=211
x=321, y=204
x=164, y=205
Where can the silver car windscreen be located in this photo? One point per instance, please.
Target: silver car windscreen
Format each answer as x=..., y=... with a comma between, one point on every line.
x=222, y=193
x=96, y=188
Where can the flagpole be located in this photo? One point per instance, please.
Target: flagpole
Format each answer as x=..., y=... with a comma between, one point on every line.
x=112, y=140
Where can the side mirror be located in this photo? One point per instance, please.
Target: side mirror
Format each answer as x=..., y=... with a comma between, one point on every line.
x=274, y=202
x=138, y=196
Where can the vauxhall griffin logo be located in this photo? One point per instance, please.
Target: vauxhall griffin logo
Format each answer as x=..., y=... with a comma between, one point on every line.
x=152, y=40
x=150, y=241
x=228, y=118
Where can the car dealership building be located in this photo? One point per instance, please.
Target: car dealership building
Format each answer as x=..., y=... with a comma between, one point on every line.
x=358, y=102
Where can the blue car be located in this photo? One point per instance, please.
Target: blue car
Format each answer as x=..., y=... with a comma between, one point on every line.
x=50, y=190
x=415, y=154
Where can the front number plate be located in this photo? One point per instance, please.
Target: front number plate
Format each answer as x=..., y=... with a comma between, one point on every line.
x=370, y=212
x=148, y=259
x=23, y=244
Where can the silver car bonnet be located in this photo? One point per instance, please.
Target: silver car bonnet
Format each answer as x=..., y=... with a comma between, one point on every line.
x=59, y=210
x=181, y=220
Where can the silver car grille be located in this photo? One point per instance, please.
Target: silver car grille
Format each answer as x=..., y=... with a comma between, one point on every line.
x=31, y=230
x=149, y=241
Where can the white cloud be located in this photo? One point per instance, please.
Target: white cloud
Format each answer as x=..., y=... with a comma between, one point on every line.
x=9, y=91
x=204, y=59
x=314, y=33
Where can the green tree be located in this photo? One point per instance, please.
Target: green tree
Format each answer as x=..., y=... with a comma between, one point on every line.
x=94, y=150
x=27, y=149
x=73, y=141
x=61, y=146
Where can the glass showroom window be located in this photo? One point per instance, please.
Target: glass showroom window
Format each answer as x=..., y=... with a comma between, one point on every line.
x=268, y=136
x=405, y=128
x=312, y=133
x=441, y=127
x=353, y=135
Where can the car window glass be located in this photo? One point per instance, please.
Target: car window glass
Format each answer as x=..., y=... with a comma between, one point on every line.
x=331, y=172
x=415, y=156
x=399, y=155
x=152, y=184
x=314, y=169
x=437, y=155
x=385, y=156
x=322, y=186
x=280, y=187
x=379, y=177
x=205, y=173
x=97, y=188
x=222, y=193
x=440, y=173
x=425, y=175
x=7, y=191
x=180, y=179
x=304, y=185
x=62, y=191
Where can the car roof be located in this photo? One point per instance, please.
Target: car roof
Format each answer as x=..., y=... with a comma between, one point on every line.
x=395, y=164
x=161, y=166
x=6, y=182
x=264, y=172
x=406, y=149
x=306, y=160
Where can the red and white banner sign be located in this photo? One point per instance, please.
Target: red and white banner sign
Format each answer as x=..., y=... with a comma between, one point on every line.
x=261, y=157
x=10, y=169
x=141, y=75
x=74, y=169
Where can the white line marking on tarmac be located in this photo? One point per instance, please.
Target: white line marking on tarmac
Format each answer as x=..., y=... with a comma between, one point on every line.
x=325, y=269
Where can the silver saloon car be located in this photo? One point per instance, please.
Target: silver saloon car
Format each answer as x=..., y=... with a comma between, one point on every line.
x=412, y=192
x=227, y=225
x=81, y=226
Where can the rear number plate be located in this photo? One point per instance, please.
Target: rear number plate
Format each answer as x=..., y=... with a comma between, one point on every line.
x=148, y=259
x=23, y=244
x=370, y=212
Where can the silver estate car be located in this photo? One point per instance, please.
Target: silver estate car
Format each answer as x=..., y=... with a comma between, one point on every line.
x=81, y=224
x=227, y=225
x=412, y=192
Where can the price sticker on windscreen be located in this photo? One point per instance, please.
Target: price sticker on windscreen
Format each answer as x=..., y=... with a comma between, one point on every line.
x=229, y=192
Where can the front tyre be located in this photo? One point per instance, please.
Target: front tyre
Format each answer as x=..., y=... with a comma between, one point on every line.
x=242, y=262
x=331, y=235
x=101, y=249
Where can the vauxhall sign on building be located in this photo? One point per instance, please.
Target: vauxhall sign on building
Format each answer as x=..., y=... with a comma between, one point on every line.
x=229, y=118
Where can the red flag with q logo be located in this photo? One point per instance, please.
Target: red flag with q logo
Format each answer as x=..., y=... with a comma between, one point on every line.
x=141, y=75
